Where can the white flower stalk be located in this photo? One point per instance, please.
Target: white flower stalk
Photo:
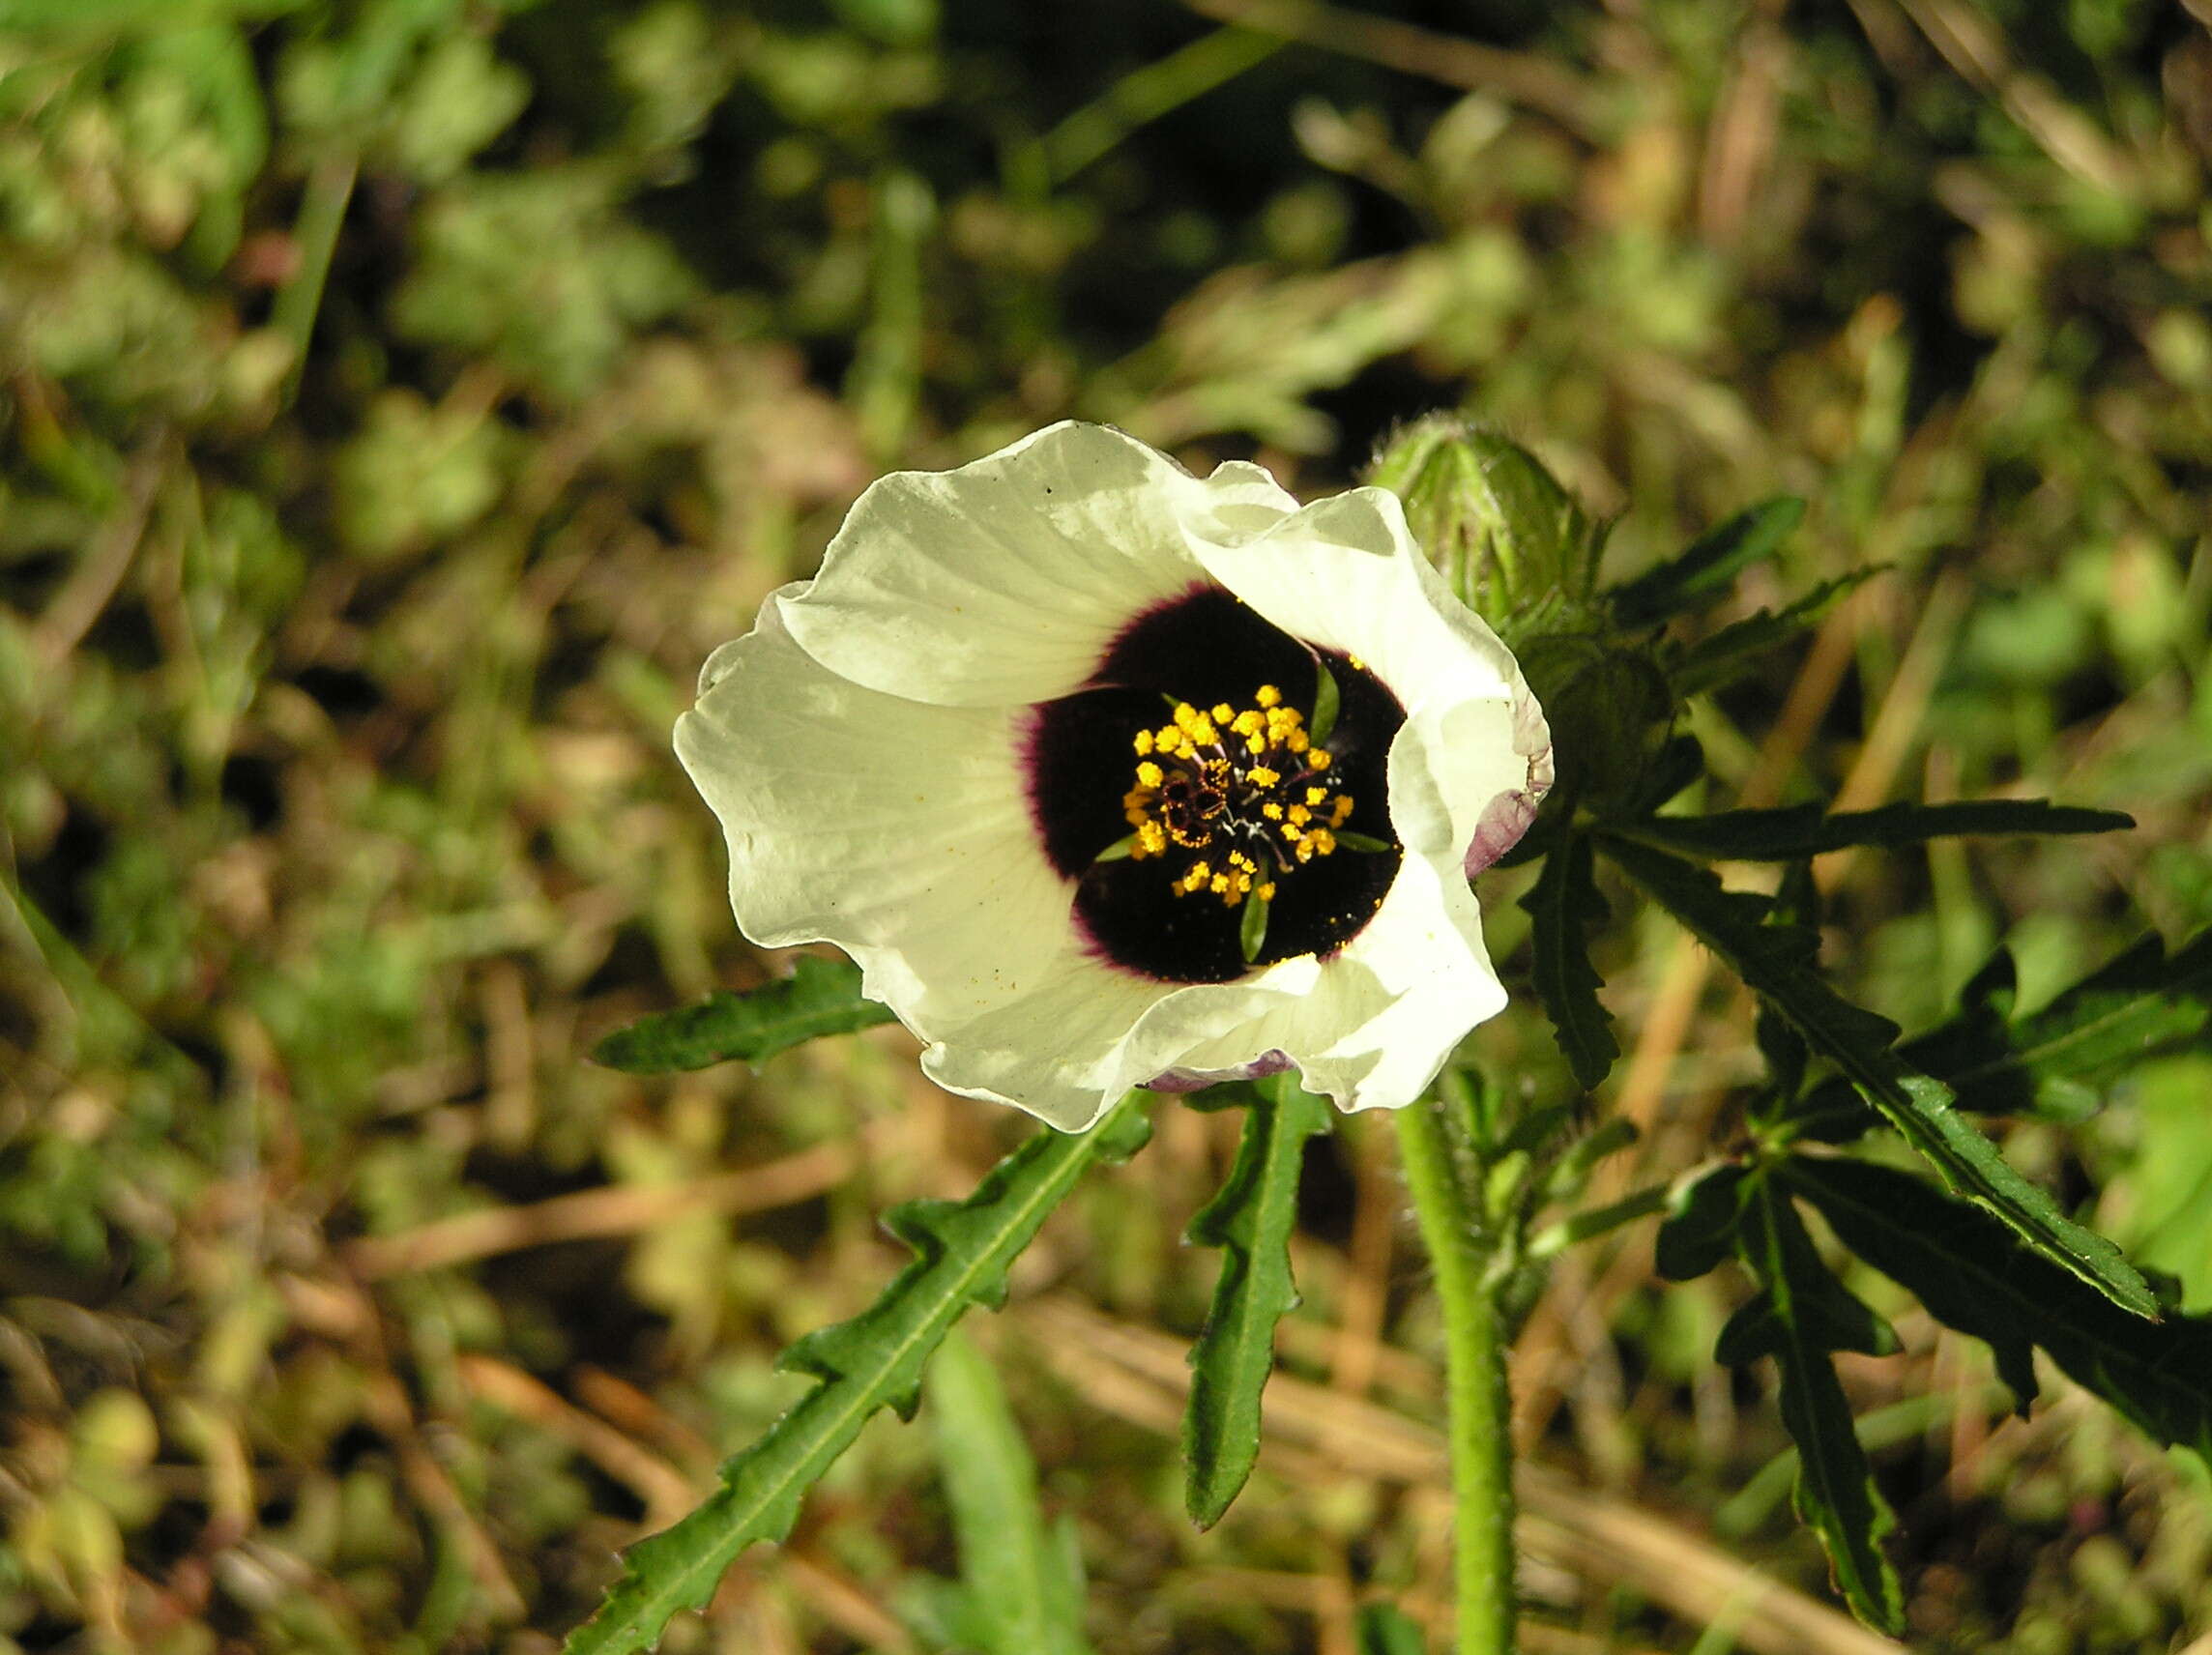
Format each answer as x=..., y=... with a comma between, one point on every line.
x=1108, y=775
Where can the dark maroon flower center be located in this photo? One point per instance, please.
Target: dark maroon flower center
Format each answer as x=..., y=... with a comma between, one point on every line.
x=1217, y=791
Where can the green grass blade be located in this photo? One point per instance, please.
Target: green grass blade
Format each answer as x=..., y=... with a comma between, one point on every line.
x=1250, y=1219
x=962, y=1251
x=1562, y=905
x=1708, y=566
x=1974, y=1276
x=1773, y=963
x=1806, y=830
x=1023, y=1591
x=821, y=996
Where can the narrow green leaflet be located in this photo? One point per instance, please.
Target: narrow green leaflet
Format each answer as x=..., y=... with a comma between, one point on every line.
x=962, y=1251
x=1702, y=1219
x=2055, y=1062
x=98, y=17
x=1806, y=830
x=821, y=996
x=1800, y=1315
x=1974, y=1276
x=1711, y=663
x=1250, y=1219
x=1382, y=1629
x=1773, y=963
x=1708, y=564
x=1021, y=1587
x=1562, y=905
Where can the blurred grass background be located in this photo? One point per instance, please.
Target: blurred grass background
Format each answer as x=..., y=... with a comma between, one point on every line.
x=398, y=398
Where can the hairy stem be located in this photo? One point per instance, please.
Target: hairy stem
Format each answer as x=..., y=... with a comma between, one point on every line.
x=1457, y=1234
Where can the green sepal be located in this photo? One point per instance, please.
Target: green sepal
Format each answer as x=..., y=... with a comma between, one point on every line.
x=1328, y=701
x=1250, y=1219
x=1562, y=905
x=1364, y=842
x=821, y=996
x=1252, y=928
x=1775, y=963
x=1708, y=566
x=963, y=1250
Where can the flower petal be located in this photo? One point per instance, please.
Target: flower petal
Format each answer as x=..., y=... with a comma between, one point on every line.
x=1345, y=573
x=1004, y=580
x=894, y=829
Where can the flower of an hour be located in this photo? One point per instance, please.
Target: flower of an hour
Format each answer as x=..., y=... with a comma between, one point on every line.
x=1108, y=775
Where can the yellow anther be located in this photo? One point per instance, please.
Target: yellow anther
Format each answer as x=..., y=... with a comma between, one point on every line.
x=1296, y=742
x=1255, y=745
x=1150, y=775
x=1319, y=758
x=1151, y=839
x=1290, y=832
x=1184, y=714
x=1301, y=815
x=1223, y=712
x=1247, y=723
x=1202, y=732
x=1259, y=776
x=1268, y=891
x=1238, y=859
x=1316, y=795
x=1220, y=885
x=1272, y=811
x=1268, y=695
x=1322, y=841
x=1143, y=743
x=1341, y=811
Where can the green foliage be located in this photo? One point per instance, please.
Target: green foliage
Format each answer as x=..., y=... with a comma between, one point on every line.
x=1972, y=1277
x=1797, y=832
x=1775, y=963
x=2055, y=1062
x=1562, y=905
x=821, y=996
x=1708, y=566
x=1250, y=1218
x=1021, y=1577
x=962, y=1251
x=1799, y=1316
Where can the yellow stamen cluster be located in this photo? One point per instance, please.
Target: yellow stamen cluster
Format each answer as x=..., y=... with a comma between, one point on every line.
x=1238, y=784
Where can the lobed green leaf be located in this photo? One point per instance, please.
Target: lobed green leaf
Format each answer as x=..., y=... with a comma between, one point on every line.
x=1799, y=1316
x=962, y=1251
x=1974, y=1276
x=1773, y=963
x=1711, y=663
x=821, y=996
x=1702, y=1220
x=1708, y=566
x=2054, y=1061
x=1799, y=831
x=1563, y=905
x=1250, y=1218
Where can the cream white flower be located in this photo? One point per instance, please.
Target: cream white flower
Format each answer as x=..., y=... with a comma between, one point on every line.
x=1036, y=748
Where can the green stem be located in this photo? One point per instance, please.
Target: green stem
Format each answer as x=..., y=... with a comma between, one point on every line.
x=1460, y=1253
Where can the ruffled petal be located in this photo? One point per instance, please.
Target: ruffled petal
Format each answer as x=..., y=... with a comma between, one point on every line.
x=1345, y=573
x=893, y=829
x=1004, y=580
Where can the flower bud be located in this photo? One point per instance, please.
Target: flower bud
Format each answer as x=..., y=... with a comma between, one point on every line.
x=1518, y=549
